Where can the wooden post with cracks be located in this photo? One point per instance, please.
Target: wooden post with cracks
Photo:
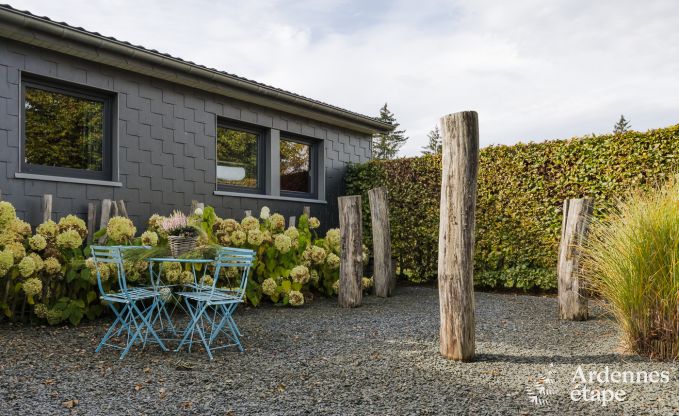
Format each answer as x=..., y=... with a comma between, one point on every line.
x=384, y=277
x=574, y=226
x=351, y=253
x=46, y=207
x=460, y=164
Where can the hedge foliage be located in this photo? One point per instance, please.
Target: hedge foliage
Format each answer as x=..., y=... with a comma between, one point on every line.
x=520, y=196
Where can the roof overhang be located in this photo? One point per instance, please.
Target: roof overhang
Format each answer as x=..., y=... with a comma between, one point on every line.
x=44, y=33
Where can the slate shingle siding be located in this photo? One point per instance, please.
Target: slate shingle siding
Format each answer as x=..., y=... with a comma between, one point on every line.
x=166, y=143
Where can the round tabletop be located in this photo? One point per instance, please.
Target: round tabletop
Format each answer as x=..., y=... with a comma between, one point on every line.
x=176, y=260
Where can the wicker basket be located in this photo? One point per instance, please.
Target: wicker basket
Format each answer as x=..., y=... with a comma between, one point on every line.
x=180, y=244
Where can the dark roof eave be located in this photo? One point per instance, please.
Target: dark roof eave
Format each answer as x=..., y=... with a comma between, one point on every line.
x=42, y=32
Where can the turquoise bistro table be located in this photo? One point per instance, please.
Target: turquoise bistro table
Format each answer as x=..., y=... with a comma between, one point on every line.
x=169, y=302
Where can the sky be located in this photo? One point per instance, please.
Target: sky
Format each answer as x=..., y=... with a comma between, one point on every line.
x=533, y=69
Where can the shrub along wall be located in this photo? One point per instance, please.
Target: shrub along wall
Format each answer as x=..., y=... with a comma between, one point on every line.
x=520, y=195
x=49, y=274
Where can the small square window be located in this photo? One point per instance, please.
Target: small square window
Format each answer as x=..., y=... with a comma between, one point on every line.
x=297, y=165
x=66, y=130
x=239, y=159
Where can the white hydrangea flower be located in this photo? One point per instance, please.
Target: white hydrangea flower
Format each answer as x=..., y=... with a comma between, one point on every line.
x=165, y=294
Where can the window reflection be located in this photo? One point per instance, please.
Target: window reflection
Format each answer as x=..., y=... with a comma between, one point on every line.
x=295, y=166
x=237, y=162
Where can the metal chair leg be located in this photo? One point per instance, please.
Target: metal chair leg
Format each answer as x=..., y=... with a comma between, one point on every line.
x=196, y=315
x=121, y=316
x=147, y=325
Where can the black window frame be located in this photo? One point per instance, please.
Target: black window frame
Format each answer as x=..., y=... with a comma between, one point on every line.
x=314, y=147
x=261, y=158
x=107, y=98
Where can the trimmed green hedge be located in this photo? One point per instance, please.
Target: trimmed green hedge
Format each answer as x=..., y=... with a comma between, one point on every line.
x=520, y=197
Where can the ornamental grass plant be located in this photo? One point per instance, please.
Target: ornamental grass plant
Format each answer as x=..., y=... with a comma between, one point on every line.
x=632, y=262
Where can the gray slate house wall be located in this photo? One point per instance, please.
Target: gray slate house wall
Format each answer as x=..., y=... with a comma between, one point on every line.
x=164, y=143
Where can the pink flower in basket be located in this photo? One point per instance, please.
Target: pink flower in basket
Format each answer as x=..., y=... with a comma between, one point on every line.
x=175, y=221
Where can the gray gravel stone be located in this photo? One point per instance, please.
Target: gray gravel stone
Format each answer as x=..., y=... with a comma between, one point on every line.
x=381, y=358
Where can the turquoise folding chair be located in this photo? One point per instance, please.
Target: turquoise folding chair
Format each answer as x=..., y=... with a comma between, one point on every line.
x=206, y=298
x=128, y=304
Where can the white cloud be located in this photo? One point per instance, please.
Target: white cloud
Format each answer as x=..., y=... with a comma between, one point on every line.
x=533, y=70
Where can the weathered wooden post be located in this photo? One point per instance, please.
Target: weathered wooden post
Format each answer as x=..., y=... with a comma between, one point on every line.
x=91, y=220
x=248, y=213
x=292, y=221
x=46, y=207
x=105, y=215
x=351, y=262
x=306, y=210
x=574, y=226
x=122, y=209
x=456, y=234
x=384, y=277
x=195, y=205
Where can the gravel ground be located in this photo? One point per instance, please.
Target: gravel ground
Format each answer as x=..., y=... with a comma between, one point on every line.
x=381, y=358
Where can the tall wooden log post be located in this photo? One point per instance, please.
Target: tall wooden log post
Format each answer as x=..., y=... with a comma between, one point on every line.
x=106, y=205
x=46, y=207
x=91, y=221
x=195, y=205
x=456, y=234
x=351, y=262
x=384, y=277
x=122, y=208
x=572, y=296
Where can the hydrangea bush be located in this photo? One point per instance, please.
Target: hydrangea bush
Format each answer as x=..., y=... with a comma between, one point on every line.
x=50, y=272
x=45, y=271
x=292, y=262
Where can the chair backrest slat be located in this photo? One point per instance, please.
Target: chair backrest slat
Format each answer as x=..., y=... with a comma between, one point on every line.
x=229, y=257
x=110, y=255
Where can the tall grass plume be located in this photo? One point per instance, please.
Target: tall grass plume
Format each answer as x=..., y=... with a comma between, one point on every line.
x=632, y=262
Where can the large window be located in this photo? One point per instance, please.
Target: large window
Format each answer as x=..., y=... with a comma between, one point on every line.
x=239, y=159
x=268, y=162
x=66, y=130
x=296, y=166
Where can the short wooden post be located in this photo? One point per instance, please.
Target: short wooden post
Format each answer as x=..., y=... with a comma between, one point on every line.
x=105, y=216
x=351, y=262
x=91, y=220
x=379, y=215
x=572, y=296
x=122, y=209
x=114, y=208
x=195, y=205
x=248, y=213
x=46, y=207
x=306, y=210
x=292, y=221
x=456, y=234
